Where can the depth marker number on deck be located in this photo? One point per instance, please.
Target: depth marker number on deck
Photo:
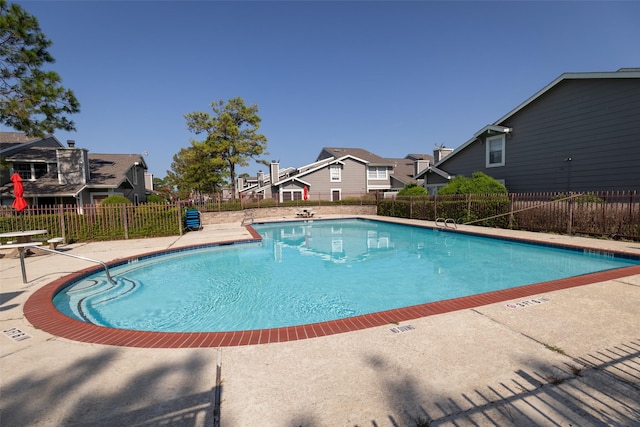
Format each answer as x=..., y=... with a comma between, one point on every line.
x=16, y=334
x=399, y=329
x=527, y=303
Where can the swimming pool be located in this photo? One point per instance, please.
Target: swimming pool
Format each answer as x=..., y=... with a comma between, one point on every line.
x=314, y=271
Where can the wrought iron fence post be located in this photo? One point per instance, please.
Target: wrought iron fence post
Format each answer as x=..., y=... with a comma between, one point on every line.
x=435, y=206
x=570, y=216
x=410, y=206
x=511, y=202
x=123, y=208
x=63, y=227
x=631, y=232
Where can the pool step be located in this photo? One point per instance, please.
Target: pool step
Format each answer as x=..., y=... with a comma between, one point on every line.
x=100, y=292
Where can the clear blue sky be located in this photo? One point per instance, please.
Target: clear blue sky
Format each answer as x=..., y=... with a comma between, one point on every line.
x=390, y=77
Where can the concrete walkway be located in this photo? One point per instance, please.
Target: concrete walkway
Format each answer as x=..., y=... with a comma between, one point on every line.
x=573, y=358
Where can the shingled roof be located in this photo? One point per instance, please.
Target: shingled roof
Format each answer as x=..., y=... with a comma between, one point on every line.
x=403, y=168
x=105, y=170
x=360, y=153
x=15, y=138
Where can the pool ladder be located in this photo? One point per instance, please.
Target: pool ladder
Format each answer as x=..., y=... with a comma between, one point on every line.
x=441, y=222
x=106, y=269
x=248, y=217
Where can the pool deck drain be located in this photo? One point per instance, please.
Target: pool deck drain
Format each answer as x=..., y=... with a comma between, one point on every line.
x=486, y=366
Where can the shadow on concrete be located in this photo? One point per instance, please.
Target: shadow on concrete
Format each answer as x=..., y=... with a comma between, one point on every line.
x=602, y=388
x=153, y=397
x=5, y=297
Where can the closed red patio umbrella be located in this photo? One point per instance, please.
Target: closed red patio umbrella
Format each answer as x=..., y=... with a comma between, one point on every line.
x=19, y=203
x=306, y=192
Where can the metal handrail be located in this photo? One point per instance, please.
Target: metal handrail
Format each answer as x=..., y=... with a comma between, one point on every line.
x=450, y=221
x=106, y=269
x=445, y=222
x=248, y=217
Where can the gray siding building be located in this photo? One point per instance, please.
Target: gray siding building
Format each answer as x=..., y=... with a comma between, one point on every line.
x=580, y=133
x=337, y=173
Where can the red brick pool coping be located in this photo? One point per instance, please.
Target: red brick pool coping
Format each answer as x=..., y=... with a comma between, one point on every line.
x=42, y=314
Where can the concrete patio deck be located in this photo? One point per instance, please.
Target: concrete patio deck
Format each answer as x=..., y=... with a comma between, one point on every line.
x=572, y=360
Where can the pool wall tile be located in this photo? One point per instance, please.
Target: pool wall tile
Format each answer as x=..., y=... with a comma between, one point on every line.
x=245, y=339
x=301, y=332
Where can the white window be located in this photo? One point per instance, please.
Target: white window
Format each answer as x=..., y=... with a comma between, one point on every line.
x=377, y=172
x=30, y=171
x=39, y=169
x=495, y=151
x=289, y=195
x=336, y=173
x=22, y=169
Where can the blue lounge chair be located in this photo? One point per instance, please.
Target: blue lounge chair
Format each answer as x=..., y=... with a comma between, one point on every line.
x=192, y=220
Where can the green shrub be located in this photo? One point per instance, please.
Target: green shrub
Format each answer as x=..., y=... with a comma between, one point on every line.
x=396, y=208
x=479, y=183
x=116, y=200
x=154, y=198
x=412, y=190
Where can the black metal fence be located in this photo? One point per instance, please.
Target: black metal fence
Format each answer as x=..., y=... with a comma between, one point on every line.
x=609, y=214
x=96, y=222
x=114, y=222
x=603, y=214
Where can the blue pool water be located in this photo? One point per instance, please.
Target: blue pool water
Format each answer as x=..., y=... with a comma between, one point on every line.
x=306, y=272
